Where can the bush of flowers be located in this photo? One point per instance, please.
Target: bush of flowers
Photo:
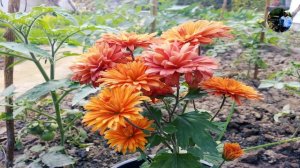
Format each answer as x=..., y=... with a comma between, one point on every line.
x=145, y=95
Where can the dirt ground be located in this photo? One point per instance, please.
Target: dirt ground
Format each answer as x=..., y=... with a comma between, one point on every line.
x=252, y=124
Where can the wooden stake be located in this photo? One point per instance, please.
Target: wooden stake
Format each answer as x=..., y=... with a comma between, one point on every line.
x=154, y=14
x=13, y=6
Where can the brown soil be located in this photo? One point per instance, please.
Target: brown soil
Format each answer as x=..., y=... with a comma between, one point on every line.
x=252, y=123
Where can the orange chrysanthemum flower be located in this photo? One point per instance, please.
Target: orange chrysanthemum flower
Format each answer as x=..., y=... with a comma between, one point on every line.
x=172, y=59
x=230, y=87
x=110, y=108
x=128, y=40
x=199, y=32
x=129, y=138
x=232, y=151
x=86, y=70
x=130, y=74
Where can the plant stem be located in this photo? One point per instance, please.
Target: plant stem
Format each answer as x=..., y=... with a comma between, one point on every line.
x=194, y=105
x=176, y=103
x=272, y=144
x=185, y=105
x=41, y=113
x=58, y=118
x=227, y=121
x=221, y=164
x=131, y=53
x=134, y=125
x=222, y=104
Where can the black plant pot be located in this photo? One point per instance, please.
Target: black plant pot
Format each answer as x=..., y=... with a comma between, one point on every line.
x=130, y=163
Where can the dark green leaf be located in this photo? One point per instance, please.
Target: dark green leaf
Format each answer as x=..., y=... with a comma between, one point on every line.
x=169, y=128
x=196, y=126
x=154, y=114
x=53, y=159
x=168, y=160
x=155, y=140
x=43, y=89
x=195, y=94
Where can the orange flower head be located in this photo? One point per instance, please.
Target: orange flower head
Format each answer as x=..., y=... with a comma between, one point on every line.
x=128, y=137
x=199, y=32
x=130, y=74
x=86, y=70
x=170, y=60
x=128, y=40
x=229, y=87
x=232, y=151
x=111, y=106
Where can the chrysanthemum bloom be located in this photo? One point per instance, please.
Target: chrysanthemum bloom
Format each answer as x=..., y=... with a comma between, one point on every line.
x=232, y=151
x=130, y=74
x=128, y=137
x=111, y=106
x=229, y=87
x=199, y=32
x=102, y=56
x=170, y=60
x=128, y=40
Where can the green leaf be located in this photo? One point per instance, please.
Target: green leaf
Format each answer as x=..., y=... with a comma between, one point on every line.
x=26, y=49
x=195, y=126
x=168, y=160
x=84, y=92
x=169, y=128
x=195, y=94
x=43, y=89
x=56, y=148
x=37, y=148
x=54, y=159
x=18, y=111
x=154, y=114
x=155, y=140
x=8, y=91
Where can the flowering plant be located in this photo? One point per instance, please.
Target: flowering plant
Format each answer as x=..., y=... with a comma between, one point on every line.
x=144, y=99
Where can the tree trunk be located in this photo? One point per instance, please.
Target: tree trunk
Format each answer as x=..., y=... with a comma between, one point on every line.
x=13, y=6
x=154, y=14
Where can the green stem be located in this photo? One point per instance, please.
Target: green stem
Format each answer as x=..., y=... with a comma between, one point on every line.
x=222, y=104
x=221, y=164
x=58, y=118
x=64, y=95
x=41, y=113
x=185, y=105
x=227, y=121
x=272, y=144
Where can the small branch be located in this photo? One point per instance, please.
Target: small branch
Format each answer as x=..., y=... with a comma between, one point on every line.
x=227, y=121
x=64, y=95
x=41, y=113
x=185, y=105
x=64, y=40
x=272, y=144
x=222, y=104
x=131, y=123
x=221, y=164
x=194, y=105
x=176, y=103
x=131, y=53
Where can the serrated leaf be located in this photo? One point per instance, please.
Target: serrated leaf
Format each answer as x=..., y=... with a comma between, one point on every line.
x=43, y=89
x=154, y=114
x=84, y=92
x=53, y=159
x=25, y=49
x=196, y=126
x=168, y=160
